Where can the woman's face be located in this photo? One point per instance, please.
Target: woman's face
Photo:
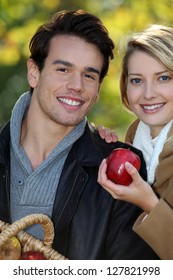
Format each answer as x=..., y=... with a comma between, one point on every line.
x=150, y=91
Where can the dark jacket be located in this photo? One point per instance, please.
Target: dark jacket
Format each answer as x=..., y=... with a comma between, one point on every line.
x=89, y=223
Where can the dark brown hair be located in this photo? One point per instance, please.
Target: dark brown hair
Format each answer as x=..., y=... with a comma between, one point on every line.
x=78, y=23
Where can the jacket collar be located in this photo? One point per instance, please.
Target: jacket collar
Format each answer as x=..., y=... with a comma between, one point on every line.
x=90, y=149
x=86, y=153
x=5, y=144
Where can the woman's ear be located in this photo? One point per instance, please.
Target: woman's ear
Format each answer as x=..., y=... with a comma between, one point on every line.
x=33, y=73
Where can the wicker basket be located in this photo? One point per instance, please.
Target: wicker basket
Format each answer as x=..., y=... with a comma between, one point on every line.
x=29, y=242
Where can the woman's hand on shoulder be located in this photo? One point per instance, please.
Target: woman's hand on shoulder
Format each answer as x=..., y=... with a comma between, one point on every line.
x=106, y=133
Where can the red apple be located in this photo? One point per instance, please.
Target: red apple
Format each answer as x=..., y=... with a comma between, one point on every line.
x=32, y=255
x=116, y=171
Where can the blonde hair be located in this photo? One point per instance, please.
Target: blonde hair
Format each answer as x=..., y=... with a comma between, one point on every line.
x=157, y=41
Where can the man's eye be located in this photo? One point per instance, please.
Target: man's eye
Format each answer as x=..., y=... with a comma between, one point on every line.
x=64, y=70
x=89, y=76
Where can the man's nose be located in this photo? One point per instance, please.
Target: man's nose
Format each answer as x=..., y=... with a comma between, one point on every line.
x=75, y=82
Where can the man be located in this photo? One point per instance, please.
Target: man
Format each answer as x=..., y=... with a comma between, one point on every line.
x=49, y=155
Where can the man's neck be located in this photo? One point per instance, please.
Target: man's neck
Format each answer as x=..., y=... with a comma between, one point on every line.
x=38, y=141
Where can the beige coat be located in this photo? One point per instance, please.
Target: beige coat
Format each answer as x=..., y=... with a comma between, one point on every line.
x=157, y=228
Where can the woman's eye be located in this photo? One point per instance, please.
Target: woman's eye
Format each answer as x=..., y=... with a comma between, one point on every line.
x=136, y=81
x=165, y=78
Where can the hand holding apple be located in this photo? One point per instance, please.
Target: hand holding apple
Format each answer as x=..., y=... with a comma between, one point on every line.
x=116, y=171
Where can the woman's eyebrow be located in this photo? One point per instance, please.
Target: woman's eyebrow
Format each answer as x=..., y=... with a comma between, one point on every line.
x=162, y=72
x=134, y=74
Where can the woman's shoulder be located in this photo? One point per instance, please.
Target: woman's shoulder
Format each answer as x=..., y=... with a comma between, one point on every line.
x=131, y=130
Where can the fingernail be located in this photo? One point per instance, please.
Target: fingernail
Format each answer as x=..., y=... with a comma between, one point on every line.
x=128, y=165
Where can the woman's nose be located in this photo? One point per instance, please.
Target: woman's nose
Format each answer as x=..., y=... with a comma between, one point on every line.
x=149, y=91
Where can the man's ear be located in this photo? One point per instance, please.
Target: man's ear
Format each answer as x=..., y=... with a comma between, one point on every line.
x=98, y=93
x=33, y=73
x=96, y=98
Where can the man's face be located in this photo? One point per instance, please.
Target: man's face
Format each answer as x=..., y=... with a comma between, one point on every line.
x=68, y=86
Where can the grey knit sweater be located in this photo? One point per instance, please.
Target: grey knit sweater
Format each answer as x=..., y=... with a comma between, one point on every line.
x=33, y=191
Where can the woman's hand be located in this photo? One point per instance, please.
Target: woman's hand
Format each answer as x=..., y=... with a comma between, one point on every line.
x=138, y=192
x=106, y=133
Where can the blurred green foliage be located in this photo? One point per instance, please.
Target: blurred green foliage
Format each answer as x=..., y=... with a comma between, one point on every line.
x=19, y=20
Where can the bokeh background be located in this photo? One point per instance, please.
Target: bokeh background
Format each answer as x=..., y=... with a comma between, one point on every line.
x=19, y=20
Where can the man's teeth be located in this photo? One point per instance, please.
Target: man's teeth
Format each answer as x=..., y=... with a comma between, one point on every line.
x=152, y=107
x=70, y=102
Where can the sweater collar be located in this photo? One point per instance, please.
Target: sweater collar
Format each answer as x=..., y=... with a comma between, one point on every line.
x=18, y=114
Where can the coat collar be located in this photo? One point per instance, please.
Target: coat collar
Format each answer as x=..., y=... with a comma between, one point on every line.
x=90, y=149
x=5, y=144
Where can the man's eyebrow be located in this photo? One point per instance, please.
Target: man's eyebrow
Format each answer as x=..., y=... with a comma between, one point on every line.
x=93, y=70
x=66, y=63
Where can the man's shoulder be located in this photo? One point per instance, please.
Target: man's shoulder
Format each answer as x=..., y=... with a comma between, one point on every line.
x=104, y=148
x=91, y=146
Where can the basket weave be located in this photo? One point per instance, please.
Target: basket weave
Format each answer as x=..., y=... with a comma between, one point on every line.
x=28, y=241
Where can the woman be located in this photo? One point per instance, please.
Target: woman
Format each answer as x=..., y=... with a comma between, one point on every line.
x=146, y=86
